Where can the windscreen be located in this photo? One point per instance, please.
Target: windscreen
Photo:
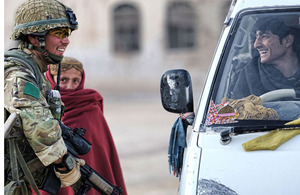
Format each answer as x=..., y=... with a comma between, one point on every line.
x=259, y=75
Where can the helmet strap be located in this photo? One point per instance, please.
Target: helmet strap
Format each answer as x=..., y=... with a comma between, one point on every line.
x=41, y=39
x=48, y=57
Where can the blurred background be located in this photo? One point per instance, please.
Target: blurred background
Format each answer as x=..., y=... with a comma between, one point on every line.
x=125, y=47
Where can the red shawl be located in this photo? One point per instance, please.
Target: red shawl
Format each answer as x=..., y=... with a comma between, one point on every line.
x=84, y=109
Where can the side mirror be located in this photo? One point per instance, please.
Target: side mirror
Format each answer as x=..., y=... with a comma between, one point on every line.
x=176, y=91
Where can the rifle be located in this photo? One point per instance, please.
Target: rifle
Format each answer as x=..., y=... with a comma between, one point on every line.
x=76, y=145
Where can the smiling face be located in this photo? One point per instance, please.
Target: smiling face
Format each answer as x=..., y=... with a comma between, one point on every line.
x=69, y=79
x=55, y=45
x=270, y=49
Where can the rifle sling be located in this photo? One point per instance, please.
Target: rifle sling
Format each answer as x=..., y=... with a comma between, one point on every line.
x=15, y=155
x=13, y=160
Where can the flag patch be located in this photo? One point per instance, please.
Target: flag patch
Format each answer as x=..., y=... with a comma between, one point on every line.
x=32, y=90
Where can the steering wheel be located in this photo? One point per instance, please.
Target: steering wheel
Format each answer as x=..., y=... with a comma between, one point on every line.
x=277, y=94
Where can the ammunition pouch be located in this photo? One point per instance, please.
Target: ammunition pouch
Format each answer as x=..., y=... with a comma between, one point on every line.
x=55, y=104
x=16, y=188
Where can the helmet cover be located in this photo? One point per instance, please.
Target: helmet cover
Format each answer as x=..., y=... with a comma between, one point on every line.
x=39, y=16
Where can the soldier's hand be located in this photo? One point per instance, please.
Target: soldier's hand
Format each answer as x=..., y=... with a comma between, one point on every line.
x=71, y=177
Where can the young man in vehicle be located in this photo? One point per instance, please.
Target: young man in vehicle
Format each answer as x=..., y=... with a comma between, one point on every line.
x=277, y=65
x=43, y=28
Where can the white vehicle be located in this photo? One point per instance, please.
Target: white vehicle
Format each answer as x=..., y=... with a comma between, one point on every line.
x=215, y=160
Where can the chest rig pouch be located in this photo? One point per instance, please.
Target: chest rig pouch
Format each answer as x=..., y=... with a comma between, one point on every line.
x=56, y=105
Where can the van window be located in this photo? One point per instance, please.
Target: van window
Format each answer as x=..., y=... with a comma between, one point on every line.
x=262, y=56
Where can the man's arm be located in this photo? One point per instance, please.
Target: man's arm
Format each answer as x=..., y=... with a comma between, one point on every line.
x=40, y=128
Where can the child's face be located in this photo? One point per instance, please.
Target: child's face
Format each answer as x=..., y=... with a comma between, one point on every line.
x=69, y=79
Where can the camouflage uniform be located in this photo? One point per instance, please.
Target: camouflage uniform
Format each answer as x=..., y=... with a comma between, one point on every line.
x=23, y=96
x=43, y=134
x=26, y=90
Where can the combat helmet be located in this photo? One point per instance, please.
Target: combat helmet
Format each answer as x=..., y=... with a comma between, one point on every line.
x=39, y=16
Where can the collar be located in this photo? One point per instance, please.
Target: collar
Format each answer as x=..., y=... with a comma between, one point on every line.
x=43, y=66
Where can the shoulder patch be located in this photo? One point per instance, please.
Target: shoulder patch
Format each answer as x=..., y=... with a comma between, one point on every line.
x=32, y=90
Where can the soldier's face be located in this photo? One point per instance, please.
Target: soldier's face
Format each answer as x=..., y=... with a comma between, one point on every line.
x=69, y=79
x=55, y=45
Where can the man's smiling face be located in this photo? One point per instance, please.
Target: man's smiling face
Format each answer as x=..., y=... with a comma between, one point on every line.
x=269, y=47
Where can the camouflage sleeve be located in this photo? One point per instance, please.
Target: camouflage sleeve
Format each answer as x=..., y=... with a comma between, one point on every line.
x=21, y=95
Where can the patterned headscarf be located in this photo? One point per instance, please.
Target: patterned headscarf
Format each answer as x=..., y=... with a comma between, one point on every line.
x=66, y=64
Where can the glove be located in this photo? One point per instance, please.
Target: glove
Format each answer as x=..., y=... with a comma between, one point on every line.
x=70, y=178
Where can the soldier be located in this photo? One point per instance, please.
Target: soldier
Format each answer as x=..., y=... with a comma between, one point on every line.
x=43, y=28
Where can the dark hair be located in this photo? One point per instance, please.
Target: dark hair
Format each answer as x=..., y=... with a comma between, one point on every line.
x=280, y=28
x=276, y=26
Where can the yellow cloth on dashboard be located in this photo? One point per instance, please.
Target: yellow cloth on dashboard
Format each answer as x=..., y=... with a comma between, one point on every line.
x=294, y=122
x=272, y=140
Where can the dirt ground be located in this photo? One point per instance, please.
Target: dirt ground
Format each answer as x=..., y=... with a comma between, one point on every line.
x=141, y=129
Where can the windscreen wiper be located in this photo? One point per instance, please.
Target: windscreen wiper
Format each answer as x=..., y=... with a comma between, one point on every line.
x=246, y=127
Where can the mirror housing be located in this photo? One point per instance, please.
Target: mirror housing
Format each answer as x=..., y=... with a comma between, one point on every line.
x=176, y=91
